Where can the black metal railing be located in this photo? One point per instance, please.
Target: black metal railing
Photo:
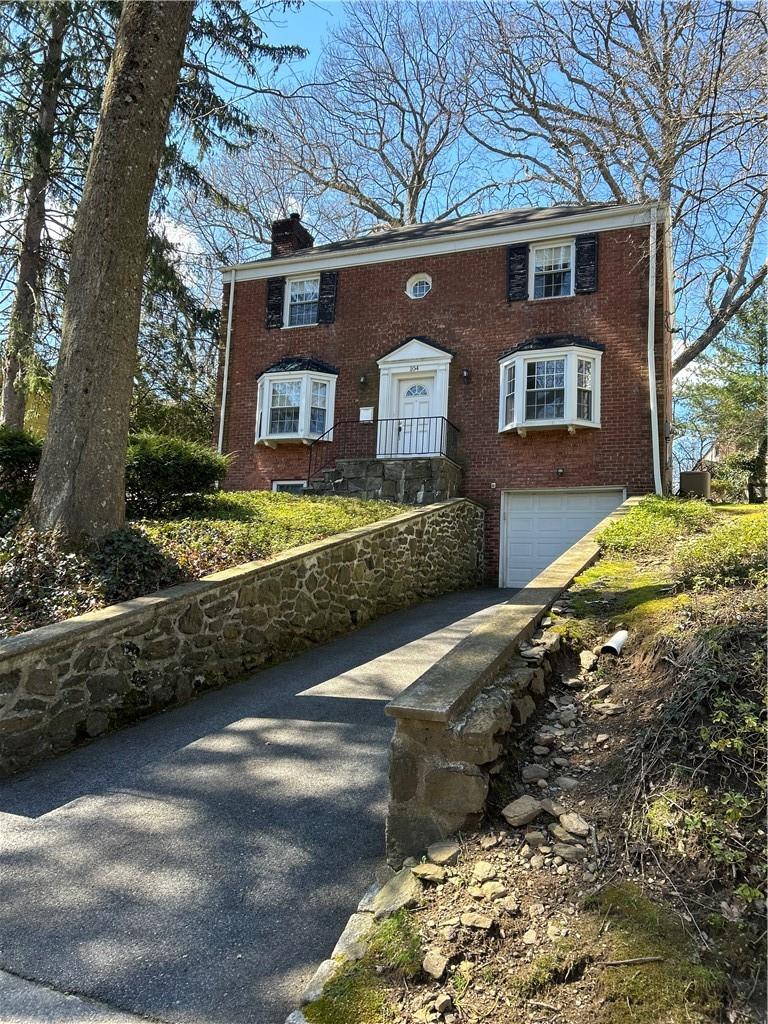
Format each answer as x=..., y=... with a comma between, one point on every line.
x=396, y=438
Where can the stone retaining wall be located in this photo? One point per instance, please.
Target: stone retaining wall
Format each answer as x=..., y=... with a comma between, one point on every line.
x=76, y=679
x=452, y=721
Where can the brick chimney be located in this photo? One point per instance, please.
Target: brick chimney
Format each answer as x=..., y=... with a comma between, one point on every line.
x=290, y=235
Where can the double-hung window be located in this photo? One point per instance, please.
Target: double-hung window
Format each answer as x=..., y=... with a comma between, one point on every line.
x=552, y=271
x=545, y=389
x=302, y=298
x=295, y=406
x=550, y=387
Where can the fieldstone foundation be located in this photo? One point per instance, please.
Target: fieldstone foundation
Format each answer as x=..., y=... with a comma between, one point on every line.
x=410, y=481
x=76, y=679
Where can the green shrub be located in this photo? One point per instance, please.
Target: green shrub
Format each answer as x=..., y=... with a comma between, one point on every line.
x=729, y=554
x=19, y=459
x=655, y=524
x=729, y=480
x=162, y=472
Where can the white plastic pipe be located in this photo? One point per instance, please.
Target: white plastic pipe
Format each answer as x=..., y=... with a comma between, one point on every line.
x=615, y=644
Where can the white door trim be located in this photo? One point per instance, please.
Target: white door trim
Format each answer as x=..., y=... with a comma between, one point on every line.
x=511, y=491
x=414, y=360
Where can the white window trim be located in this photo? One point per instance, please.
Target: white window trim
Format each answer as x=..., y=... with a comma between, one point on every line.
x=549, y=244
x=413, y=281
x=276, y=484
x=306, y=378
x=572, y=355
x=287, y=300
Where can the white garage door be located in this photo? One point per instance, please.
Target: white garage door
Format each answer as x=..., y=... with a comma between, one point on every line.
x=537, y=526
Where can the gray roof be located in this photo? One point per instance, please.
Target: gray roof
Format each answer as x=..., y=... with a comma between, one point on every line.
x=444, y=228
x=290, y=364
x=549, y=341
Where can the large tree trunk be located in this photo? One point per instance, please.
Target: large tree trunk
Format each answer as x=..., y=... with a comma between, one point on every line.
x=20, y=342
x=80, y=486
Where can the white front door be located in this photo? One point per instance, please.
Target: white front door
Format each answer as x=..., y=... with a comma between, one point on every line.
x=416, y=428
x=538, y=526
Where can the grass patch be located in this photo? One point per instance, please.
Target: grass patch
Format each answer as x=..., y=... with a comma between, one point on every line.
x=359, y=993
x=355, y=996
x=731, y=553
x=615, y=589
x=562, y=965
x=677, y=990
x=655, y=524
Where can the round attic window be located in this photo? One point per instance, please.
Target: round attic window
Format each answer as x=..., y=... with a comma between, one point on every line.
x=418, y=286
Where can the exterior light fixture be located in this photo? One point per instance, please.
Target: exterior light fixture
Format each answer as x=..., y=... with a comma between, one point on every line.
x=466, y=375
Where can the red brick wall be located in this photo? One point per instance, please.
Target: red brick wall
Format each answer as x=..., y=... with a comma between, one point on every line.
x=467, y=312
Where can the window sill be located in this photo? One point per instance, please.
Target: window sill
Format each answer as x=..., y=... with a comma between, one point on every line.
x=551, y=298
x=296, y=327
x=570, y=425
x=273, y=440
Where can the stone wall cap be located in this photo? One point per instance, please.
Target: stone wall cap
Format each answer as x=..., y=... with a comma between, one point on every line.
x=449, y=686
x=121, y=615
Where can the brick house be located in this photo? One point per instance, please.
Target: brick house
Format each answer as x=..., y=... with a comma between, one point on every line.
x=520, y=358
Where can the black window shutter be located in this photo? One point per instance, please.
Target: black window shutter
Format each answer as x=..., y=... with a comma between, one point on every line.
x=517, y=273
x=326, y=303
x=586, y=264
x=275, y=291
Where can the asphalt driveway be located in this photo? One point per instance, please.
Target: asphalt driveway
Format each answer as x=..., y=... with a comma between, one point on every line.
x=198, y=866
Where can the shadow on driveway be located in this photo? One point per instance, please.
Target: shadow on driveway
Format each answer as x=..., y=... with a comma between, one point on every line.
x=197, y=866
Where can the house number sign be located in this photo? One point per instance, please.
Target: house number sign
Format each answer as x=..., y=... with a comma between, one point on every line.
x=414, y=368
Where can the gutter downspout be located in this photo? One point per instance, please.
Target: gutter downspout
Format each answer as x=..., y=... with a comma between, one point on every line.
x=651, y=353
x=225, y=381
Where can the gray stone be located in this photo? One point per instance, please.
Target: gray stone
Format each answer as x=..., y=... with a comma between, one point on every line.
x=443, y=1003
x=352, y=941
x=534, y=772
x=434, y=964
x=321, y=977
x=574, y=823
x=587, y=660
x=456, y=788
x=445, y=852
x=522, y=811
x=600, y=691
x=471, y=919
x=566, y=782
x=366, y=903
x=429, y=872
x=483, y=871
x=402, y=890
x=570, y=854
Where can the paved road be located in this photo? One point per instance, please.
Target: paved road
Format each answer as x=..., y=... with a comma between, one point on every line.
x=196, y=867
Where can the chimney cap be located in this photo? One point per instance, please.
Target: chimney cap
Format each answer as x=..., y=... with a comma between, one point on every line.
x=295, y=216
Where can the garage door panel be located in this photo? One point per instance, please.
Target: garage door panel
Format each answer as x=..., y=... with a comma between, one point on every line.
x=539, y=527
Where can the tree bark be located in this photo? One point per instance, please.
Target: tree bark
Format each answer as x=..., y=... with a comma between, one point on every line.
x=20, y=342
x=80, y=486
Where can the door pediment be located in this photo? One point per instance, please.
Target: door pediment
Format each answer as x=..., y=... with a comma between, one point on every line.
x=416, y=350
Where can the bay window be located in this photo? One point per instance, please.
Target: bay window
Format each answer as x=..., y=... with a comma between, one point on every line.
x=294, y=406
x=546, y=386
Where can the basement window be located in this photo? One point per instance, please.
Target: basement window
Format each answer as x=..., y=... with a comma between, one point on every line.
x=549, y=388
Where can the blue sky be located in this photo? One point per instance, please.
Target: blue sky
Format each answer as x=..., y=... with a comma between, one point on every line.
x=306, y=28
